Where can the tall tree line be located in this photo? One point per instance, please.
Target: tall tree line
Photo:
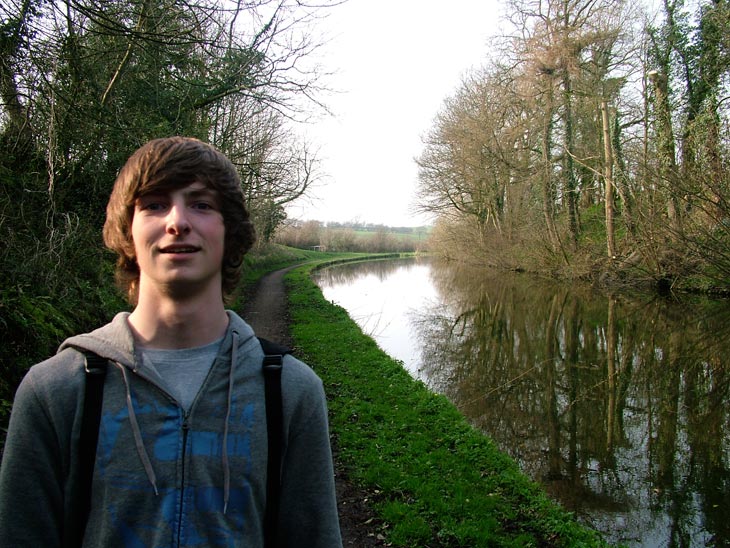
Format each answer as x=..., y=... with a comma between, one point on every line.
x=83, y=83
x=595, y=136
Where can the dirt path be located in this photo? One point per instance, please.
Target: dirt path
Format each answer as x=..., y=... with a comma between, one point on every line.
x=265, y=309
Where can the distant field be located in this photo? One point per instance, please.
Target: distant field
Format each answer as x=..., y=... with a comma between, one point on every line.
x=354, y=238
x=417, y=234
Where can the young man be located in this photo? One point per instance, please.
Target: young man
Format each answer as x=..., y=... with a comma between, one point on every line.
x=182, y=452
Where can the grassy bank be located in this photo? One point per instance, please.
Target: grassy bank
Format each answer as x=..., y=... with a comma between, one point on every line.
x=274, y=256
x=436, y=480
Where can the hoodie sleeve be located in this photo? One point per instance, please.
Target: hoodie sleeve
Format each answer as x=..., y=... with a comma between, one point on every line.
x=308, y=514
x=35, y=464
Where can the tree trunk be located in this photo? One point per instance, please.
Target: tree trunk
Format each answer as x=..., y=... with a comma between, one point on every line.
x=666, y=150
x=548, y=192
x=608, y=179
x=569, y=169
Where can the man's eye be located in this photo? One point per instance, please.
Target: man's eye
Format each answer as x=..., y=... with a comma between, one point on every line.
x=203, y=205
x=153, y=206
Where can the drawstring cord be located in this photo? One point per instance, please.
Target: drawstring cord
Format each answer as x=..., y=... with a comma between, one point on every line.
x=141, y=451
x=226, y=465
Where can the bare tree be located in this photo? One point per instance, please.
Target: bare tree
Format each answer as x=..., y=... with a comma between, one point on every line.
x=471, y=156
x=571, y=50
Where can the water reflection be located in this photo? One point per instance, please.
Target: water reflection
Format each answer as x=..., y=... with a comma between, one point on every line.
x=381, y=296
x=617, y=405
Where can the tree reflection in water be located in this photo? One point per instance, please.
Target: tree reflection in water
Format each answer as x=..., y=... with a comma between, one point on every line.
x=616, y=404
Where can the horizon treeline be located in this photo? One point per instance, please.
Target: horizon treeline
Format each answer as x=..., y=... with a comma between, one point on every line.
x=594, y=140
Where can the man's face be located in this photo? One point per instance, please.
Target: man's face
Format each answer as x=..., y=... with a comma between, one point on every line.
x=178, y=239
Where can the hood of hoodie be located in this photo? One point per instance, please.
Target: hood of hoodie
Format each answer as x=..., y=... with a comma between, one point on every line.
x=115, y=340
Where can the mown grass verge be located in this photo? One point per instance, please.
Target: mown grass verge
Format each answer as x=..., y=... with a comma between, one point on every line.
x=439, y=482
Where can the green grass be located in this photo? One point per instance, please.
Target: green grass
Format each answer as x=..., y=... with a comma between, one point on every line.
x=438, y=481
x=274, y=256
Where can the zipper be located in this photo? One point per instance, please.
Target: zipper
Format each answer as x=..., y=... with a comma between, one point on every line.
x=185, y=430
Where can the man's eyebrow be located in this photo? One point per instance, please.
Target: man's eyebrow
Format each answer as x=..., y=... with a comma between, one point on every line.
x=202, y=192
x=191, y=193
x=196, y=186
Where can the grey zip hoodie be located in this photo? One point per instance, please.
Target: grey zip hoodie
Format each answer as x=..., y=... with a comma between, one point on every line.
x=164, y=478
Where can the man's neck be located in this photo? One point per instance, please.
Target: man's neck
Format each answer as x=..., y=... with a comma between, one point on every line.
x=168, y=323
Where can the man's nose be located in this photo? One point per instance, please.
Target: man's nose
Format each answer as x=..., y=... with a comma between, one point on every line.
x=177, y=220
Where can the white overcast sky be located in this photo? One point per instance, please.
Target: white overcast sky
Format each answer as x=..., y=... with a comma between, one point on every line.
x=395, y=61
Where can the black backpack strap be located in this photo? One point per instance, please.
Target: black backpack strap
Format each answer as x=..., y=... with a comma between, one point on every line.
x=272, y=365
x=95, y=372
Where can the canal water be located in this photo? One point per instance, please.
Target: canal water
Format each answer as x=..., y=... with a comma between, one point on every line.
x=617, y=405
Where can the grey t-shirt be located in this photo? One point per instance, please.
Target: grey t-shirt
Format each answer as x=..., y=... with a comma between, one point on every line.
x=183, y=370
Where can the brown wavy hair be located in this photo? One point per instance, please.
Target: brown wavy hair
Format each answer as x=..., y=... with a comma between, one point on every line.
x=170, y=163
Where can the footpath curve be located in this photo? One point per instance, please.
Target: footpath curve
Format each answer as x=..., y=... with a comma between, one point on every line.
x=265, y=310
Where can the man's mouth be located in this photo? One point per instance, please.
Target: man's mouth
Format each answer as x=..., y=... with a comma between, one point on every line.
x=178, y=249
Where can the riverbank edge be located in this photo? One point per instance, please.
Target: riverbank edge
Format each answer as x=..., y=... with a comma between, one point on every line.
x=434, y=479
